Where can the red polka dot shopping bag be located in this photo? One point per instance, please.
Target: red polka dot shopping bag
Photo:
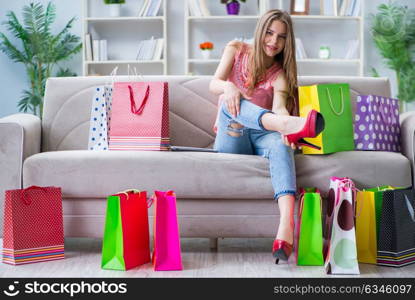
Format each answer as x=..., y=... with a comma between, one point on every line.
x=33, y=225
x=140, y=116
x=340, y=241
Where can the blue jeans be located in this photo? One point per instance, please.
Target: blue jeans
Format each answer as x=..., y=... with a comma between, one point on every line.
x=254, y=139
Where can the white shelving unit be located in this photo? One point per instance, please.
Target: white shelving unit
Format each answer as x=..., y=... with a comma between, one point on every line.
x=314, y=30
x=123, y=35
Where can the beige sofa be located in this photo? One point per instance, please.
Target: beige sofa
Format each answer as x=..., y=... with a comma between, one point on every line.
x=219, y=195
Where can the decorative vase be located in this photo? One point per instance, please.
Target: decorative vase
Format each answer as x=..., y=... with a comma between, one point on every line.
x=206, y=54
x=233, y=8
x=115, y=10
x=324, y=52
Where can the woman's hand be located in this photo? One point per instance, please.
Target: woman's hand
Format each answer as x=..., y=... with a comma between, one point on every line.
x=287, y=143
x=232, y=99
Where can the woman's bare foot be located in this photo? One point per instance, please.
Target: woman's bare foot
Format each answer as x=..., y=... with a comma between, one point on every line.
x=286, y=231
x=283, y=124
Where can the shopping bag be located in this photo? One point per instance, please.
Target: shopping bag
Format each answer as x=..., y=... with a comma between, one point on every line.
x=126, y=242
x=376, y=124
x=333, y=102
x=396, y=243
x=341, y=253
x=309, y=242
x=33, y=225
x=166, y=248
x=99, y=123
x=366, y=238
x=100, y=117
x=140, y=116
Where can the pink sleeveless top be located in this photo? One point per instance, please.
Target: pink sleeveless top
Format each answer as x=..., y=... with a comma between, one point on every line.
x=263, y=92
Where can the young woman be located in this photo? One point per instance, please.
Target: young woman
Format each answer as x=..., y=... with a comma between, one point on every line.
x=257, y=87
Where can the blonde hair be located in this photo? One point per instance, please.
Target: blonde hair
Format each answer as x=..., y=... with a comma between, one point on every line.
x=256, y=66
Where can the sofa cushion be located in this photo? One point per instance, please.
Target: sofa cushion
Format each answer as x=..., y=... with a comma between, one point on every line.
x=96, y=174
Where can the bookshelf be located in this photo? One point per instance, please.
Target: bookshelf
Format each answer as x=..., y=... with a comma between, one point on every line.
x=333, y=31
x=123, y=35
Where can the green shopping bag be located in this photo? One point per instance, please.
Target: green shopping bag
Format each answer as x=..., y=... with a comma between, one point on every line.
x=309, y=242
x=126, y=242
x=333, y=102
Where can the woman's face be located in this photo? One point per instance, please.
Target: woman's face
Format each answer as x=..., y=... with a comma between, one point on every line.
x=274, y=41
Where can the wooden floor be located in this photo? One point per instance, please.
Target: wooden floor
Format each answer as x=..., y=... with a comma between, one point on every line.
x=234, y=258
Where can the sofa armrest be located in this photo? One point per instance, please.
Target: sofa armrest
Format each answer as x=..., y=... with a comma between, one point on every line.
x=20, y=137
x=407, y=121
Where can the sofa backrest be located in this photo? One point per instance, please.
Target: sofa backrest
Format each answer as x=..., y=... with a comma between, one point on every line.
x=67, y=107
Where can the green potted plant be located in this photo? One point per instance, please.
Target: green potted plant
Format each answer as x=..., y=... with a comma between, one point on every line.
x=115, y=7
x=393, y=31
x=232, y=6
x=41, y=50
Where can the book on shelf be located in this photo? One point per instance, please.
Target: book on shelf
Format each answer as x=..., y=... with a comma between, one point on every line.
x=151, y=49
x=95, y=50
x=198, y=8
x=158, y=53
x=204, y=8
x=103, y=52
x=352, y=49
x=263, y=6
x=88, y=47
x=143, y=8
x=350, y=8
x=328, y=7
x=299, y=49
x=152, y=8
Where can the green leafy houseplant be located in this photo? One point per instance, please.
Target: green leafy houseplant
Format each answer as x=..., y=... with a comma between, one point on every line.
x=40, y=51
x=393, y=31
x=114, y=1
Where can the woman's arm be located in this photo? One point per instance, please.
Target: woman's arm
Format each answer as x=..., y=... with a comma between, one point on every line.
x=220, y=85
x=280, y=95
x=280, y=100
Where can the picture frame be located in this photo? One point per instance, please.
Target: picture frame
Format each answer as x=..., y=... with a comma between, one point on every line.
x=300, y=7
x=328, y=7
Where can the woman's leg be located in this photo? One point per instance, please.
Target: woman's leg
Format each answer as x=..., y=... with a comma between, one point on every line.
x=286, y=225
x=256, y=117
x=282, y=170
x=232, y=137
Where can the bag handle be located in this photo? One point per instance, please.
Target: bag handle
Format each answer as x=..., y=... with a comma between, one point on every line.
x=302, y=192
x=24, y=198
x=331, y=102
x=410, y=208
x=113, y=75
x=134, y=108
x=153, y=197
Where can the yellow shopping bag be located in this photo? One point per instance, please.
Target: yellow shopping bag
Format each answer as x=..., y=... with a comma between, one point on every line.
x=366, y=238
x=333, y=102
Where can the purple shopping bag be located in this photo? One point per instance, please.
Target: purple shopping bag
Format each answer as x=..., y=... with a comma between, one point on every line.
x=166, y=248
x=376, y=124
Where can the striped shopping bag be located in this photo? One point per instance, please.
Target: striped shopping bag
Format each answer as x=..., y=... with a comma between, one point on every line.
x=33, y=225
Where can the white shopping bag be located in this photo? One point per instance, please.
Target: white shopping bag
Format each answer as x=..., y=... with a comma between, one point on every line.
x=341, y=255
x=100, y=118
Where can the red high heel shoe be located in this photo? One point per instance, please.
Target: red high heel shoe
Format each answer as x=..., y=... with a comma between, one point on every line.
x=314, y=125
x=281, y=250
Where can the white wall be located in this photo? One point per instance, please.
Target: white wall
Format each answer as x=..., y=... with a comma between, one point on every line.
x=13, y=78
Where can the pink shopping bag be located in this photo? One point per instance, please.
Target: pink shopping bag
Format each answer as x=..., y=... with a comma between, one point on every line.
x=166, y=248
x=140, y=116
